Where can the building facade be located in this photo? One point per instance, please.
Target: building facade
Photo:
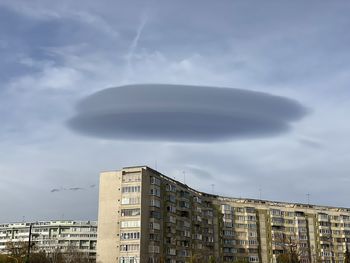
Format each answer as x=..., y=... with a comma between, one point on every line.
x=147, y=217
x=52, y=236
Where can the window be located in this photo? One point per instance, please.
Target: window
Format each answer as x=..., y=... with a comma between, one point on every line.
x=155, y=180
x=155, y=214
x=124, y=224
x=153, y=249
x=154, y=237
x=184, y=194
x=131, y=212
x=131, y=259
x=155, y=191
x=171, y=209
x=184, y=204
x=132, y=177
x=229, y=250
x=187, y=233
x=171, y=251
x=228, y=224
x=171, y=198
x=251, y=218
x=323, y=216
x=275, y=212
x=241, y=242
x=241, y=218
x=154, y=226
x=130, y=247
x=253, y=259
x=170, y=187
x=197, y=236
x=172, y=219
x=226, y=209
x=131, y=200
x=253, y=242
x=250, y=209
x=228, y=233
x=197, y=199
x=345, y=217
x=252, y=226
x=129, y=235
x=229, y=242
x=184, y=253
x=155, y=202
x=131, y=189
x=241, y=234
x=253, y=234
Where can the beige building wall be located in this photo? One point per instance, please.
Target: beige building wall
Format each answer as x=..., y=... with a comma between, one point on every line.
x=108, y=217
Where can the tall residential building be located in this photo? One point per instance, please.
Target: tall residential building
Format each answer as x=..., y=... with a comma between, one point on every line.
x=147, y=217
x=52, y=236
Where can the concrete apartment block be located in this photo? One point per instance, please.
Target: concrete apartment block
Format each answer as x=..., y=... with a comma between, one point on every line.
x=51, y=236
x=147, y=217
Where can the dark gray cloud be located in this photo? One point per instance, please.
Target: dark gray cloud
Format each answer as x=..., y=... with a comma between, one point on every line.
x=311, y=143
x=184, y=113
x=75, y=189
x=54, y=190
x=200, y=173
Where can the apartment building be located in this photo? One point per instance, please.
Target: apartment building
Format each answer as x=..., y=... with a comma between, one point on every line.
x=147, y=217
x=52, y=236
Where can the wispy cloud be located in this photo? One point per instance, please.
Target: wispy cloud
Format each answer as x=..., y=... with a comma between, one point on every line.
x=133, y=46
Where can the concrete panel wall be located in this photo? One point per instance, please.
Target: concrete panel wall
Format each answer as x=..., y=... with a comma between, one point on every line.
x=108, y=217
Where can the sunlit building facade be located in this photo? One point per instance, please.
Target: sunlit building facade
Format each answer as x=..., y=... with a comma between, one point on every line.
x=147, y=217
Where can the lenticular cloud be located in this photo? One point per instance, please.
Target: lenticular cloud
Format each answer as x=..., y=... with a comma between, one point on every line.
x=183, y=113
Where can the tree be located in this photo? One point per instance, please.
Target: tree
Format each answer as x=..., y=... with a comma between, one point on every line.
x=17, y=250
x=212, y=259
x=193, y=258
x=8, y=259
x=292, y=251
x=40, y=257
x=73, y=255
x=17, y=253
x=347, y=255
x=288, y=258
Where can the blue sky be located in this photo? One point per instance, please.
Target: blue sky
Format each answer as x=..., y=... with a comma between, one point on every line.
x=55, y=54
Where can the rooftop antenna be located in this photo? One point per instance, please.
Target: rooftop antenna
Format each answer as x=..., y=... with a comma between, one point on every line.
x=155, y=164
x=184, y=173
x=308, y=198
x=212, y=188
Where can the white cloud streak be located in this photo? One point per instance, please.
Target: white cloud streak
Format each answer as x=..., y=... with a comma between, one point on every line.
x=133, y=46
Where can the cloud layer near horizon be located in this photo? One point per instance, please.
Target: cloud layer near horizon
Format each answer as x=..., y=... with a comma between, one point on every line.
x=163, y=112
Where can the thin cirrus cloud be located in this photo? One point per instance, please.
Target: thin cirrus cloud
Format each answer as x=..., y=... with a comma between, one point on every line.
x=163, y=112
